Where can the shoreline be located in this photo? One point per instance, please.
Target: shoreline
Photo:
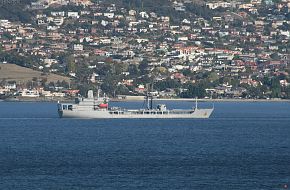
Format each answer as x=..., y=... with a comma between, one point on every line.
x=206, y=100
x=140, y=99
x=40, y=99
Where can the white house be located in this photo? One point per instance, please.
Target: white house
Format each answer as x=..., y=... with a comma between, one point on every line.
x=73, y=14
x=78, y=47
x=109, y=15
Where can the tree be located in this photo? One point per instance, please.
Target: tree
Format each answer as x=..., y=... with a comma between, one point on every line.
x=120, y=67
x=250, y=28
x=7, y=36
x=82, y=73
x=15, y=11
x=85, y=87
x=237, y=23
x=133, y=70
x=70, y=63
x=15, y=58
x=287, y=92
x=275, y=56
x=213, y=76
x=275, y=88
x=194, y=91
x=143, y=67
x=64, y=84
x=285, y=27
x=43, y=81
x=105, y=69
x=255, y=92
x=122, y=89
x=109, y=85
x=168, y=83
x=200, y=10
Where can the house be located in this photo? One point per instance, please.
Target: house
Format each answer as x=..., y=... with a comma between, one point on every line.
x=10, y=46
x=81, y=2
x=127, y=82
x=57, y=13
x=183, y=38
x=10, y=86
x=132, y=12
x=29, y=93
x=246, y=6
x=215, y=5
x=73, y=14
x=284, y=83
x=52, y=28
x=104, y=23
x=144, y=14
x=105, y=40
x=100, y=52
x=58, y=46
x=140, y=89
x=78, y=47
x=5, y=23
x=109, y=15
x=58, y=21
x=41, y=22
x=38, y=5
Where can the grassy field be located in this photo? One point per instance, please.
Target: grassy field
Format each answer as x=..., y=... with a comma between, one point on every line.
x=12, y=72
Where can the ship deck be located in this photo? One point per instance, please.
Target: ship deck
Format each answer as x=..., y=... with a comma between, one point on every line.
x=149, y=112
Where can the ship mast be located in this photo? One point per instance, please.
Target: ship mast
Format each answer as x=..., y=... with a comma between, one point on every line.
x=149, y=98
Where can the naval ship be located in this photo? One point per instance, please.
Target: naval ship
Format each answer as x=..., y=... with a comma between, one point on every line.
x=98, y=108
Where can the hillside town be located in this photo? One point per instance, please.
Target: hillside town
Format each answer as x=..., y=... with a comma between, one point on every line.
x=186, y=48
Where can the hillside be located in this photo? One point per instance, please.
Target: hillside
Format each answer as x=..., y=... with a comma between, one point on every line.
x=12, y=72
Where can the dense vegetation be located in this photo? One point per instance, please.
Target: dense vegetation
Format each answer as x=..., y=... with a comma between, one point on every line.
x=15, y=10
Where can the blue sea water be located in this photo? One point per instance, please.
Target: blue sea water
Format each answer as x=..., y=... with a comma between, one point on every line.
x=242, y=146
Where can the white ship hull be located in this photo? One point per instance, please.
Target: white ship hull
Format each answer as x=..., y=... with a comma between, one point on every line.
x=106, y=114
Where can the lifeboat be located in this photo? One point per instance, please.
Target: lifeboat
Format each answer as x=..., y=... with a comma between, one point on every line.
x=103, y=105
